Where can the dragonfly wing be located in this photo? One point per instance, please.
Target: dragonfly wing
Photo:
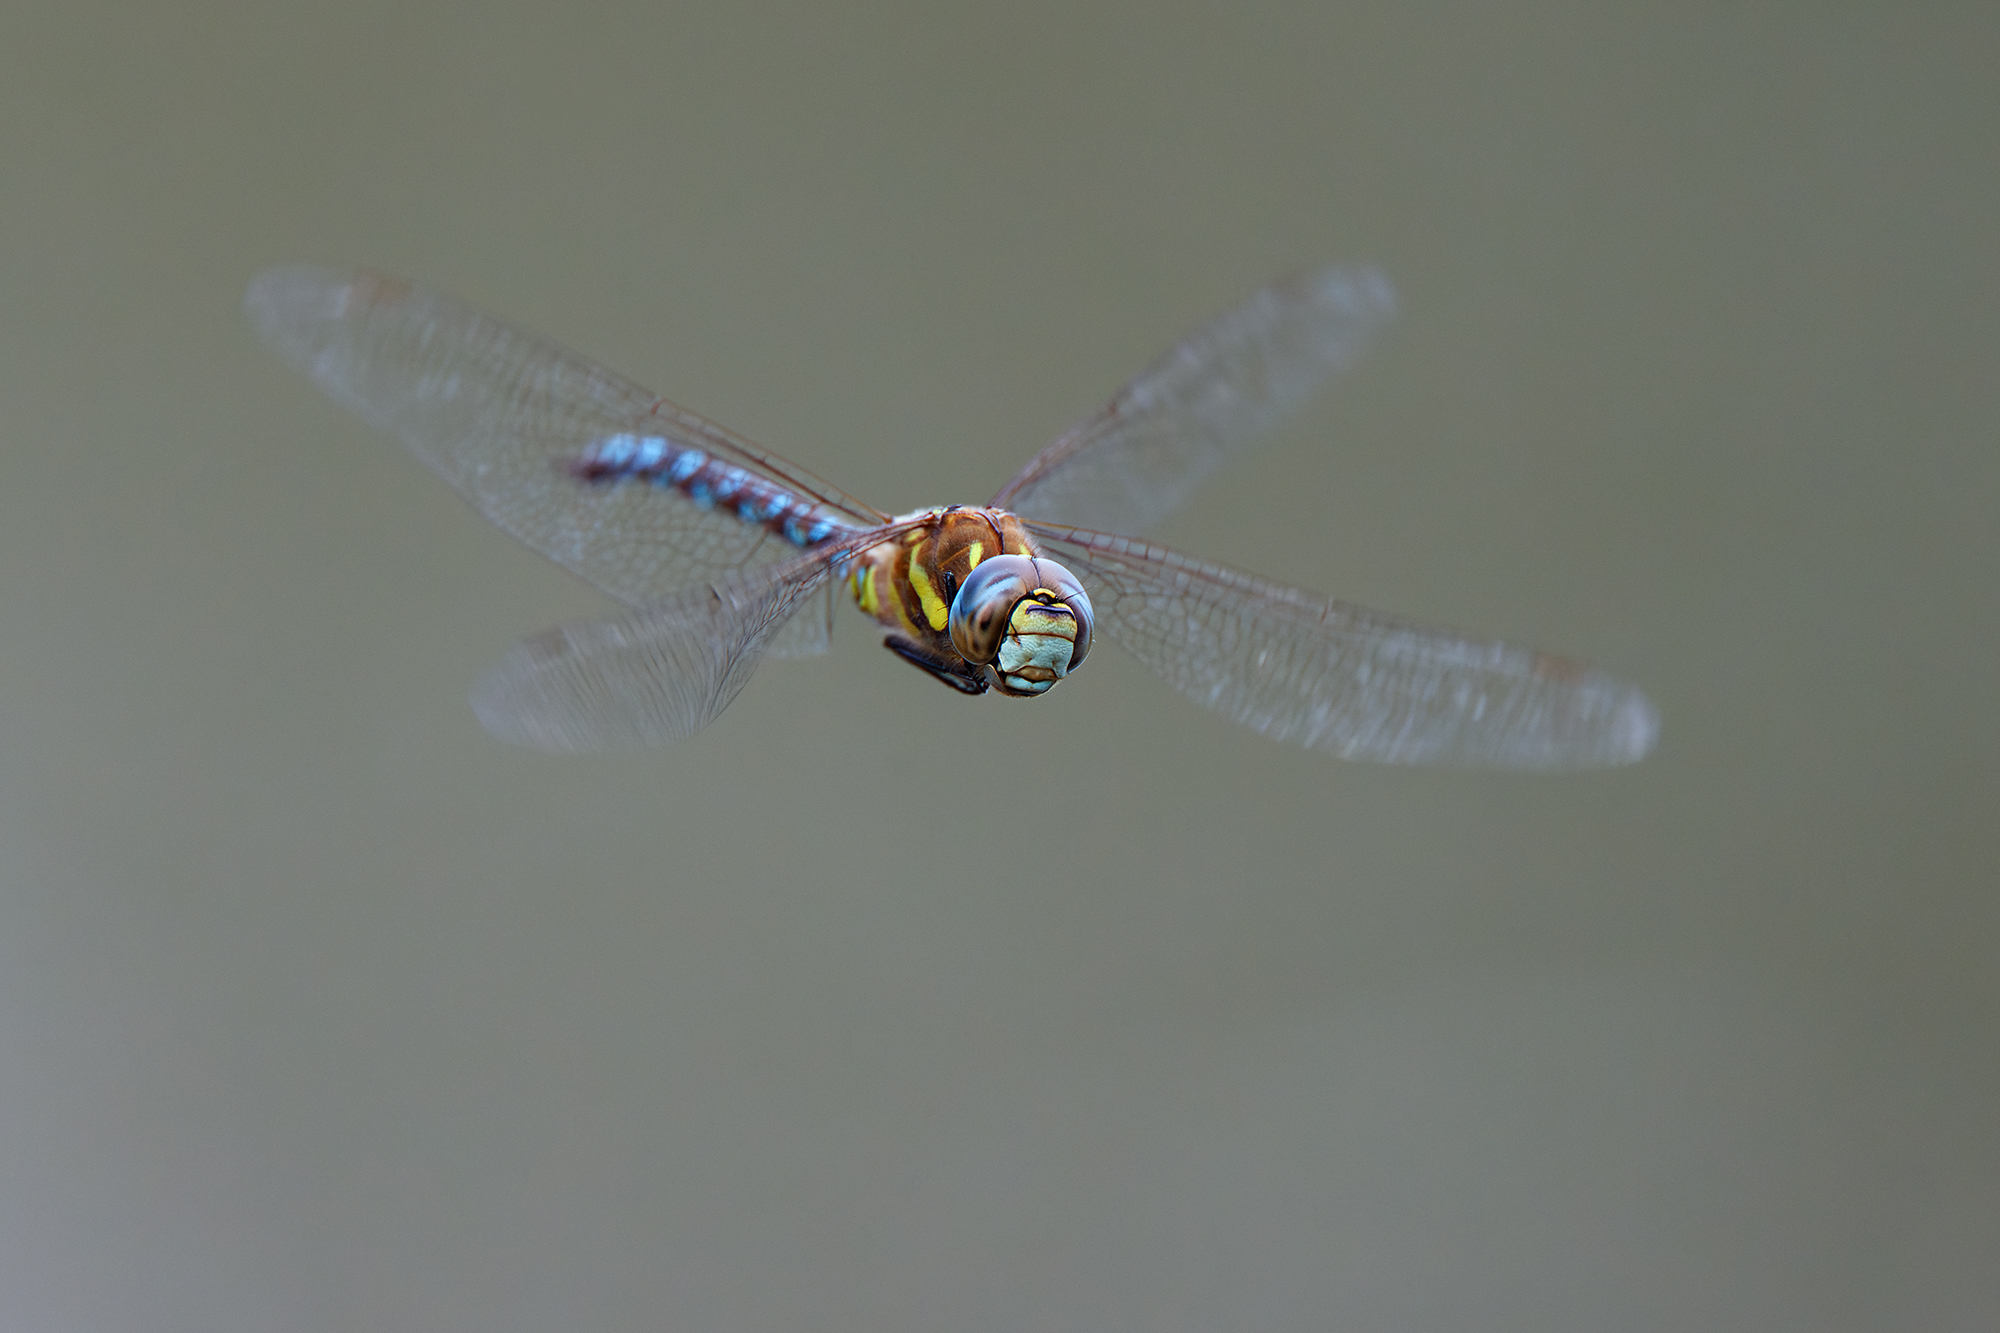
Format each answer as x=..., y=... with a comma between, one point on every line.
x=809, y=633
x=1186, y=415
x=655, y=675
x=500, y=413
x=1323, y=674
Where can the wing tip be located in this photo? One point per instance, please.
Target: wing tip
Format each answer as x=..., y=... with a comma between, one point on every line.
x=1356, y=290
x=1620, y=725
x=1633, y=729
x=517, y=701
x=291, y=306
x=288, y=305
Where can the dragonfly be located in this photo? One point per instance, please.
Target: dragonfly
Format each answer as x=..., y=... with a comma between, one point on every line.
x=725, y=554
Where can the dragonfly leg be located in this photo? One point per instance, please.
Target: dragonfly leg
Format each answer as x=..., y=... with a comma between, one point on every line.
x=954, y=671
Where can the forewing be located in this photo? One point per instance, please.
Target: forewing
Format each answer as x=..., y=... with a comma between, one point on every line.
x=652, y=676
x=1186, y=415
x=499, y=412
x=1323, y=674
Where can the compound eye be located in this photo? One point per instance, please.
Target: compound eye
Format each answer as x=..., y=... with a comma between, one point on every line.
x=1025, y=619
x=984, y=603
x=1070, y=591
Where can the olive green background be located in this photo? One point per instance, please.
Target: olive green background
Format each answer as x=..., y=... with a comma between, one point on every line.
x=873, y=1008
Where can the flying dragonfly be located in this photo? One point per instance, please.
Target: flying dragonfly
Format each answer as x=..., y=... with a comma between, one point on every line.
x=727, y=554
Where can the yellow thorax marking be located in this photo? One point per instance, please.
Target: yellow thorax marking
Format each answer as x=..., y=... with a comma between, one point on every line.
x=935, y=611
x=864, y=589
x=974, y=554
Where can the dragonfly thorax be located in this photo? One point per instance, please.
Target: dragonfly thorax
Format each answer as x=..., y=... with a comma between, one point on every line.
x=968, y=598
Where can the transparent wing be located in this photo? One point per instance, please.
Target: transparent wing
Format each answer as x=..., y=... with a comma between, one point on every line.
x=654, y=675
x=1168, y=430
x=1319, y=673
x=498, y=412
x=810, y=630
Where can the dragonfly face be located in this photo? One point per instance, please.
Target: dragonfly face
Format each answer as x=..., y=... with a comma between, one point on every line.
x=729, y=554
x=1025, y=621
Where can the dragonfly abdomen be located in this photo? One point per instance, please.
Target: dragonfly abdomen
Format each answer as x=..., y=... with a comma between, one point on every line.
x=708, y=482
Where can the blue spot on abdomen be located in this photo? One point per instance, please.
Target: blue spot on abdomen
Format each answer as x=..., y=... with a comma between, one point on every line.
x=615, y=452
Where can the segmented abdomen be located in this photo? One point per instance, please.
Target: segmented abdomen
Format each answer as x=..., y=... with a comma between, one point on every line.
x=708, y=482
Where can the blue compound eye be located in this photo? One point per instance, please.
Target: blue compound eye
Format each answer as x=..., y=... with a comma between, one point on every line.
x=986, y=599
x=1026, y=618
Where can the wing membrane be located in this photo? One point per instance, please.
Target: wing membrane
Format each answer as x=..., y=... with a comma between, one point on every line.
x=1169, y=429
x=497, y=412
x=1329, y=676
x=652, y=676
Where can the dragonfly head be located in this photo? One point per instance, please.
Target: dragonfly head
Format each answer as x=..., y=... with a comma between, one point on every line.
x=1024, y=619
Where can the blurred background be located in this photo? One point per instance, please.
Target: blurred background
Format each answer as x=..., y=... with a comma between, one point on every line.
x=320, y=1009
